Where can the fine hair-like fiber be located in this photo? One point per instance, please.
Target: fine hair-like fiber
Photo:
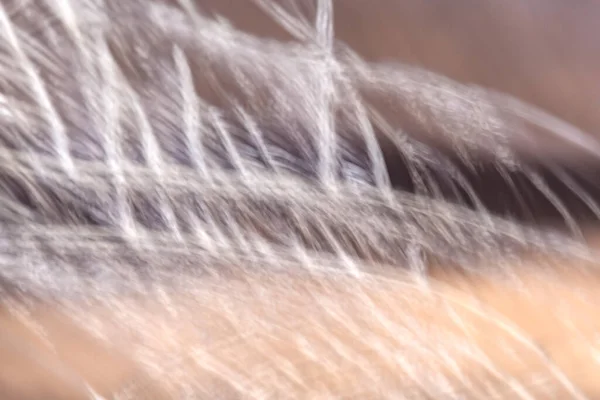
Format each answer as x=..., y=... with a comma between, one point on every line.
x=233, y=215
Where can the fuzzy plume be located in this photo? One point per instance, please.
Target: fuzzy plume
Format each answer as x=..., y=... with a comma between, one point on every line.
x=149, y=148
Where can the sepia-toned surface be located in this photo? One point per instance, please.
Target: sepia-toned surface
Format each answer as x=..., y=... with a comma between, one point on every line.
x=280, y=337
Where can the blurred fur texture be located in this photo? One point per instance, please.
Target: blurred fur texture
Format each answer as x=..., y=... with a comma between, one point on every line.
x=188, y=210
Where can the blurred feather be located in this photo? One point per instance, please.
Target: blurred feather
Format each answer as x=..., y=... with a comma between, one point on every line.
x=145, y=144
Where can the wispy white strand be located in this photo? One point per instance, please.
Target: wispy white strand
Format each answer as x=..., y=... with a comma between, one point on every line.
x=183, y=151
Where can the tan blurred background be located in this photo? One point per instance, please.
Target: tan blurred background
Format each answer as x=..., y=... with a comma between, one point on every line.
x=545, y=52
